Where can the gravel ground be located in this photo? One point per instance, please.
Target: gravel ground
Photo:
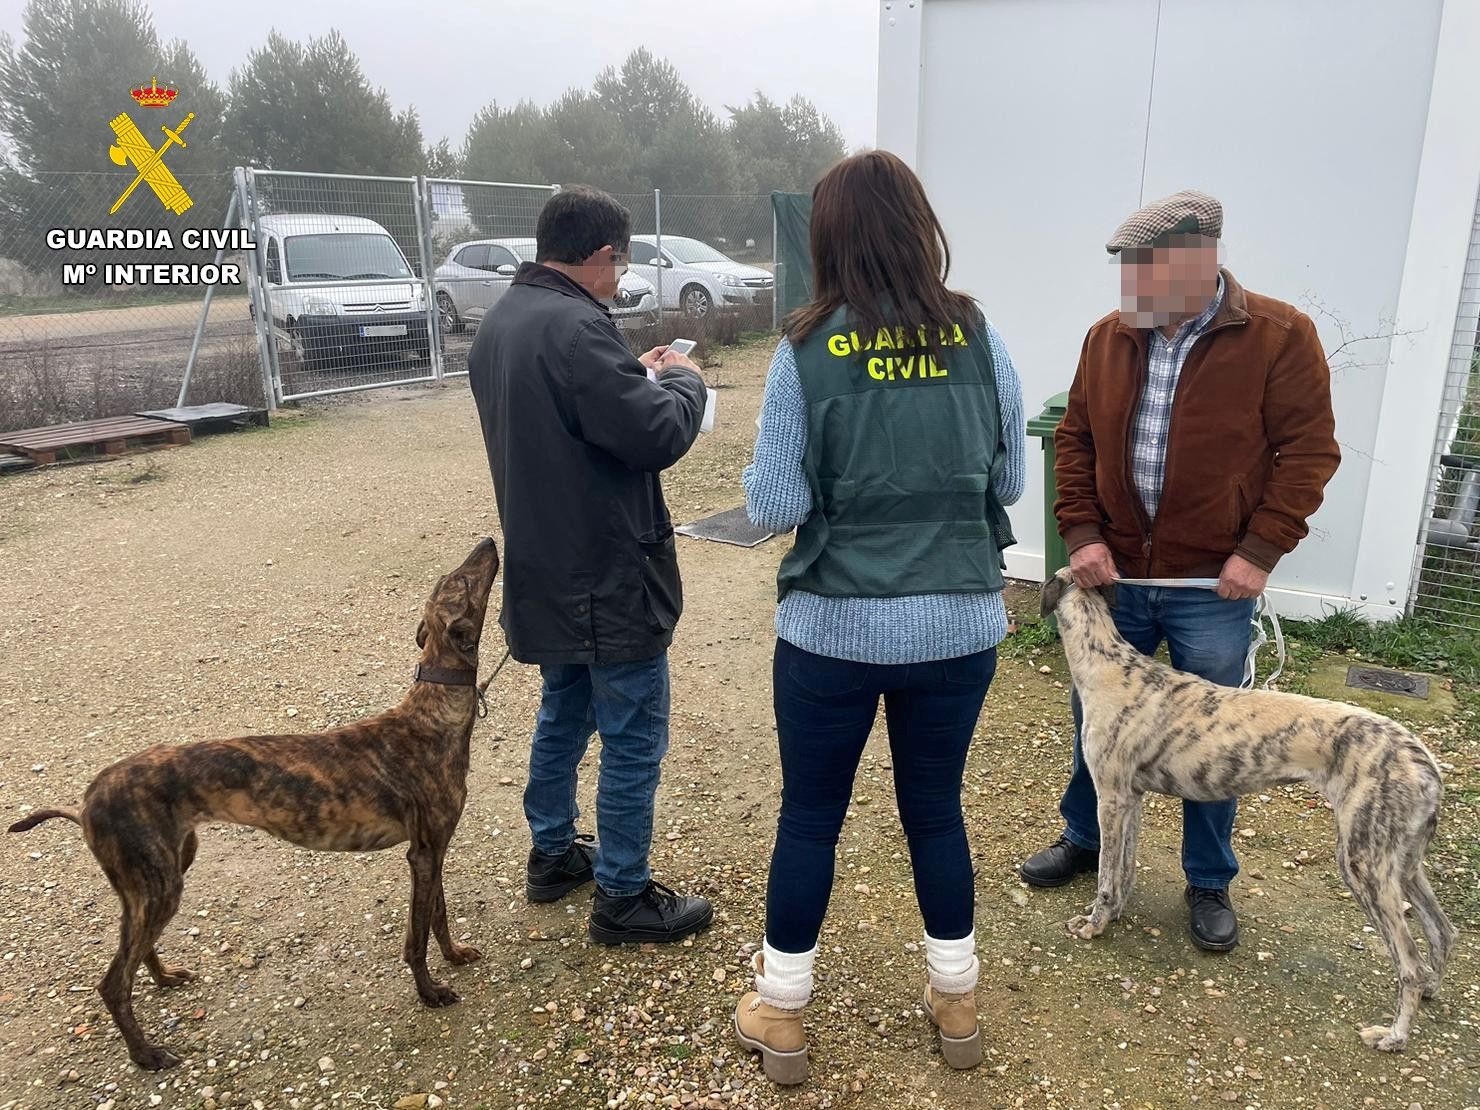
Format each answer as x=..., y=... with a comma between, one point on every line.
x=270, y=580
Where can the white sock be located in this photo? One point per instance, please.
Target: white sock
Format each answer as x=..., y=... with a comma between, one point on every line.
x=951, y=964
x=787, y=983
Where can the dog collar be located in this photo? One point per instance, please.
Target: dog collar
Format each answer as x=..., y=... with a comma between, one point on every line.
x=444, y=676
x=449, y=676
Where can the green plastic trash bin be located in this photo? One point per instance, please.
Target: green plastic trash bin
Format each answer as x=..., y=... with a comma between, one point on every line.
x=1043, y=426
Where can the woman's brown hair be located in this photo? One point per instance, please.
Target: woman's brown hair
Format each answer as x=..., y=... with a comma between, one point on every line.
x=878, y=248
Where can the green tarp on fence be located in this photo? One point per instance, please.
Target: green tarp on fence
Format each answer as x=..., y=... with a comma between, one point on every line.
x=793, y=213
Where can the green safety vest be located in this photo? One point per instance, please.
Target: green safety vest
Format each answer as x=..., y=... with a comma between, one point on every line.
x=903, y=450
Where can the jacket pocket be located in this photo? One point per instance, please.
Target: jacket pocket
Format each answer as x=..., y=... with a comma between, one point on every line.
x=662, y=588
x=1240, y=508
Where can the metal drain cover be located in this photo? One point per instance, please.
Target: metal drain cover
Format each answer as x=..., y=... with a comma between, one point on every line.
x=1388, y=682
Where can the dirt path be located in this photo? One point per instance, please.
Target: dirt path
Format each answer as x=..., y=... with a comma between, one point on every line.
x=94, y=322
x=271, y=580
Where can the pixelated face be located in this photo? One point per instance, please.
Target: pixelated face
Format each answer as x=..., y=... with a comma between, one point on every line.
x=1166, y=284
x=602, y=272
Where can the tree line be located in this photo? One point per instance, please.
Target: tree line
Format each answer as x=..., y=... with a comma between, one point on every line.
x=308, y=105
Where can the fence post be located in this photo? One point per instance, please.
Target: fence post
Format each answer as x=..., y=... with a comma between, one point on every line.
x=423, y=209
x=775, y=270
x=205, y=309
x=256, y=291
x=274, y=352
x=658, y=241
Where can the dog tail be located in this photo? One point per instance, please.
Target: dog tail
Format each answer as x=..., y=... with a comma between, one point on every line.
x=31, y=820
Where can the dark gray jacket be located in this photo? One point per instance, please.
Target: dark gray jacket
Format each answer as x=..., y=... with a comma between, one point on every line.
x=576, y=436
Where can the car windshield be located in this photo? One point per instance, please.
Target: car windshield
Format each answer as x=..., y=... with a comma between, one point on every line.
x=343, y=257
x=691, y=252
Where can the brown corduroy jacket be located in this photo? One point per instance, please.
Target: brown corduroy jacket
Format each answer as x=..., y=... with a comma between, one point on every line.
x=1249, y=452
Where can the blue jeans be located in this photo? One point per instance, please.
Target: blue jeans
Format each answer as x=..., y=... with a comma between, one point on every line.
x=627, y=703
x=1208, y=636
x=825, y=709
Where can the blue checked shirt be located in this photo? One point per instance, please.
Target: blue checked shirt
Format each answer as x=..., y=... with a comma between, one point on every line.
x=1164, y=361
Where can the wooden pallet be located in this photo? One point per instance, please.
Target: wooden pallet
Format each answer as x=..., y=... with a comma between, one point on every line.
x=107, y=438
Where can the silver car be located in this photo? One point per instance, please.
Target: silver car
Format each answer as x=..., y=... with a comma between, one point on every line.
x=698, y=280
x=478, y=272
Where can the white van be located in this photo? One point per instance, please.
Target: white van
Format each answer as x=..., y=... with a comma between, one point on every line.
x=348, y=326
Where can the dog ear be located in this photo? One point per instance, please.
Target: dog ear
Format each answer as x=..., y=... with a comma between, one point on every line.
x=464, y=635
x=1107, y=591
x=1053, y=591
x=421, y=634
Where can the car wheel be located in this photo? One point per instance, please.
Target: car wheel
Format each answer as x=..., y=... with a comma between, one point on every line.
x=447, y=317
x=696, y=302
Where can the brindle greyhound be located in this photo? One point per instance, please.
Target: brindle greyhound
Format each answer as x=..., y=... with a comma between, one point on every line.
x=398, y=776
x=1148, y=727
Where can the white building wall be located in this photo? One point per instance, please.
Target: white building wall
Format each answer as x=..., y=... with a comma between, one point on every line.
x=1039, y=124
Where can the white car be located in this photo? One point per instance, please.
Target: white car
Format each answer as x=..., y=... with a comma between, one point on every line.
x=697, y=280
x=477, y=273
x=341, y=291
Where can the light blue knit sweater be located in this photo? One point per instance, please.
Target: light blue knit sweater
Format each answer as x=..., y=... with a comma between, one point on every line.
x=871, y=630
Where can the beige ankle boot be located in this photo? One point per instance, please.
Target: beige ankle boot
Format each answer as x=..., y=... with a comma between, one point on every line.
x=954, y=1015
x=775, y=1033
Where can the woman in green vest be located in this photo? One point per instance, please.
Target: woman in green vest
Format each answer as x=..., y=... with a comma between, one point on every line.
x=891, y=438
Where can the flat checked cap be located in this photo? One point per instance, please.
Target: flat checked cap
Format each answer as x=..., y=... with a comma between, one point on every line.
x=1186, y=213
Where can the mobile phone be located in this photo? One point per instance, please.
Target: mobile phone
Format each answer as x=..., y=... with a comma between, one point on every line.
x=681, y=346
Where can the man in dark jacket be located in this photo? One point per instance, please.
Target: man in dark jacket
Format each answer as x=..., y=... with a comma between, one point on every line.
x=577, y=434
x=1198, y=439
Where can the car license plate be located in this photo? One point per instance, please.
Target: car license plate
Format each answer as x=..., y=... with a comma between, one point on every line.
x=373, y=331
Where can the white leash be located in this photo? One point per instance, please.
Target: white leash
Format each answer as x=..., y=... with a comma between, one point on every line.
x=1262, y=609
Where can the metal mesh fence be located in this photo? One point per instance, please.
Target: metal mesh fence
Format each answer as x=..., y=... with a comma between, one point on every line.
x=359, y=282
x=94, y=349
x=1447, y=579
x=481, y=232
x=343, y=269
x=715, y=266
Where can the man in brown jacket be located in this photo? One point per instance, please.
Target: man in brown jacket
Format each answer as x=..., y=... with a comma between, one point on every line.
x=1198, y=439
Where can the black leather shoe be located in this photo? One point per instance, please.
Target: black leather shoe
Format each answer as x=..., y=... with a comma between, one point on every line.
x=1214, y=925
x=551, y=878
x=1058, y=864
x=656, y=916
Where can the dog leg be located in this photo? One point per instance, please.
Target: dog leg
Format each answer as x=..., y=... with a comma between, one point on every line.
x=425, y=876
x=1109, y=894
x=1379, y=896
x=1131, y=839
x=144, y=917
x=171, y=975
x=167, y=975
x=457, y=954
x=1436, y=926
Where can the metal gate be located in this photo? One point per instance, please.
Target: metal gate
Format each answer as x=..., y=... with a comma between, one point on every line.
x=481, y=231
x=1446, y=579
x=365, y=282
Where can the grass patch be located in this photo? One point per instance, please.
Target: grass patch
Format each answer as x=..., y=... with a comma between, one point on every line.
x=680, y=1051
x=1028, y=639
x=1410, y=643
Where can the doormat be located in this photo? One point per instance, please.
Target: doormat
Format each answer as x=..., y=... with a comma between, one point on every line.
x=732, y=526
